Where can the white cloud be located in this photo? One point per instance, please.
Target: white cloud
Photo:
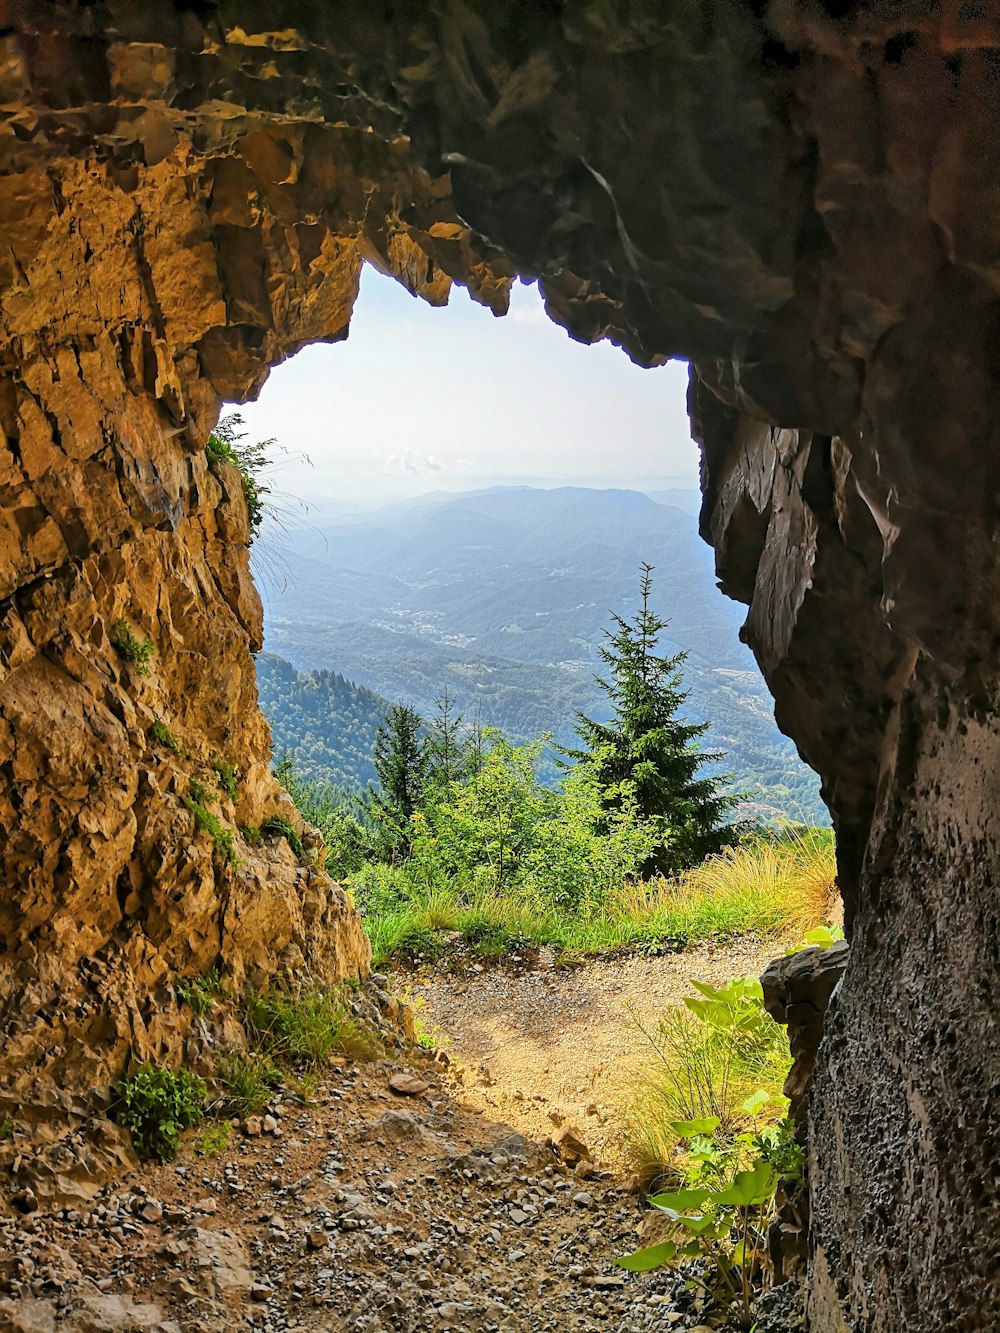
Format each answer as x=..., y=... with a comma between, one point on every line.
x=414, y=460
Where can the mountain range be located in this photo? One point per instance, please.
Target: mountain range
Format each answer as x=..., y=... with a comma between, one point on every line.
x=501, y=597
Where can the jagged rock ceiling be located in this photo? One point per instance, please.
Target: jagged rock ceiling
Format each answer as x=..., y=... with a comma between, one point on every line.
x=799, y=197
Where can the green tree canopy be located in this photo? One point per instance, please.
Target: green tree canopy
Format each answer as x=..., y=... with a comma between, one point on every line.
x=647, y=745
x=401, y=762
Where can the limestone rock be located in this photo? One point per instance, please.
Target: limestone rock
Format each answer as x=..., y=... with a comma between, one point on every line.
x=799, y=197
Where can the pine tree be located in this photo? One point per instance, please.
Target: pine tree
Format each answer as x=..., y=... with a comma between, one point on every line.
x=400, y=759
x=648, y=745
x=445, y=746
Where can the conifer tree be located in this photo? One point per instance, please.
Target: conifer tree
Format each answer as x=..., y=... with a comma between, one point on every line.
x=648, y=745
x=445, y=746
x=400, y=759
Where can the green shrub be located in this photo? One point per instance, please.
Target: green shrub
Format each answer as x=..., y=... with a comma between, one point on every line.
x=202, y=794
x=707, y=1059
x=157, y=1105
x=278, y=826
x=307, y=1029
x=6, y=1130
x=249, y=1082
x=251, y=834
x=223, y=446
x=214, y=1139
x=160, y=734
x=227, y=777
x=137, y=652
x=206, y=822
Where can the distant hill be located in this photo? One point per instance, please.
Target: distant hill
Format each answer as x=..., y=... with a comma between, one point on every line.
x=501, y=596
x=327, y=722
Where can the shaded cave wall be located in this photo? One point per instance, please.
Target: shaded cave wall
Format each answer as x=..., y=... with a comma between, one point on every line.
x=799, y=197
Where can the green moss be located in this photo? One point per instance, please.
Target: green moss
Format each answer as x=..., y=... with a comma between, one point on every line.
x=205, y=822
x=278, y=826
x=137, y=652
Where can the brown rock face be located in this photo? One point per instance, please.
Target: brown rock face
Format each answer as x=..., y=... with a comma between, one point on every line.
x=800, y=197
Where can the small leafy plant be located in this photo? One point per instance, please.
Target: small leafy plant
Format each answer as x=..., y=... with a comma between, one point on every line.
x=6, y=1130
x=214, y=1139
x=227, y=777
x=251, y=834
x=722, y=1211
x=160, y=734
x=157, y=1105
x=137, y=652
x=200, y=993
x=278, y=826
x=307, y=1029
x=224, y=446
x=249, y=1082
x=206, y=822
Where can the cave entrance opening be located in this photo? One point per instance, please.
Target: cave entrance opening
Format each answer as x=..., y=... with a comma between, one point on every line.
x=459, y=503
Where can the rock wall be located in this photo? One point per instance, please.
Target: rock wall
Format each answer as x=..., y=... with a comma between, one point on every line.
x=799, y=196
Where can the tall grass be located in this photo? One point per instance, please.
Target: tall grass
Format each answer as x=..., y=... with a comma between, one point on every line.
x=730, y=1065
x=771, y=886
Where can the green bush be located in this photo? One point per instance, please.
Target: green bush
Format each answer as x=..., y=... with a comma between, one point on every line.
x=137, y=652
x=200, y=993
x=252, y=460
x=157, y=1105
x=249, y=1082
x=278, y=826
x=227, y=777
x=251, y=834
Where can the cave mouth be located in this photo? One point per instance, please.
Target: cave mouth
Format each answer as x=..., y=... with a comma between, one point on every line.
x=485, y=418
x=789, y=195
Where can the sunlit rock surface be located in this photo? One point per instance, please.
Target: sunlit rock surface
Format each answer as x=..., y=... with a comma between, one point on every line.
x=800, y=197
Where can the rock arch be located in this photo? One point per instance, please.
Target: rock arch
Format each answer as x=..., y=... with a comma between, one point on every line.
x=799, y=197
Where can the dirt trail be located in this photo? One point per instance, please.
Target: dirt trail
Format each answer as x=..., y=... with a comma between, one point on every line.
x=545, y=1046
x=433, y=1208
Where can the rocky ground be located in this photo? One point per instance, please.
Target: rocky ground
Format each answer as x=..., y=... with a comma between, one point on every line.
x=398, y=1200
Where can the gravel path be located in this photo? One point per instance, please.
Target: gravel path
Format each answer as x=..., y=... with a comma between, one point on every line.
x=547, y=1045
x=407, y=1197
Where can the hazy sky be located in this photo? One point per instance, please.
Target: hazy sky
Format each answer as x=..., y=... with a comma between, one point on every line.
x=419, y=399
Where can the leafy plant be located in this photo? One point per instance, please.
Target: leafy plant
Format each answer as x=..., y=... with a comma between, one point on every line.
x=278, y=826
x=725, y=1224
x=820, y=937
x=137, y=652
x=224, y=446
x=206, y=822
x=227, y=777
x=251, y=834
x=157, y=1105
x=200, y=993
x=214, y=1139
x=249, y=1082
x=6, y=1130
x=202, y=794
x=160, y=734
x=722, y=1057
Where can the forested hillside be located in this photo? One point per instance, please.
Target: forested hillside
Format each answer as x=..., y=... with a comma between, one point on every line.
x=327, y=722
x=501, y=597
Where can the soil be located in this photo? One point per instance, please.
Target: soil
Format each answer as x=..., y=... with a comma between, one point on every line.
x=546, y=1046
x=414, y=1194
